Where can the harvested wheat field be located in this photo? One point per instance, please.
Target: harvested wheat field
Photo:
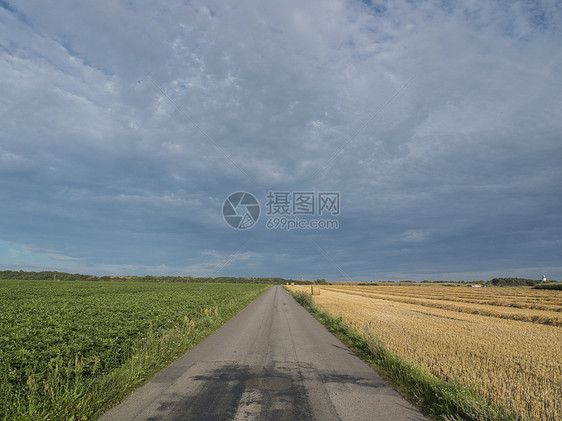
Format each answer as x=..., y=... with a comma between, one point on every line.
x=505, y=343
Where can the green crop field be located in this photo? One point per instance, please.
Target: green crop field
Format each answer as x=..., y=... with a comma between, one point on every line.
x=69, y=350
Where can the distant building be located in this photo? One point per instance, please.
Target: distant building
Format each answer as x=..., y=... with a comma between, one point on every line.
x=476, y=286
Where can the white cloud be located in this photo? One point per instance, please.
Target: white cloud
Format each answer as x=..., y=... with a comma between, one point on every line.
x=93, y=155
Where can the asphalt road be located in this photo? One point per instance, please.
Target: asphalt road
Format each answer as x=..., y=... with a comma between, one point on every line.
x=273, y=361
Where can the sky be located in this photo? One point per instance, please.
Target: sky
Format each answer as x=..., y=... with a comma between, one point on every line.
x=437, y=125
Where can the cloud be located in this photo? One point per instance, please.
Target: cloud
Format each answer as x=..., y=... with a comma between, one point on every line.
x=100, y=158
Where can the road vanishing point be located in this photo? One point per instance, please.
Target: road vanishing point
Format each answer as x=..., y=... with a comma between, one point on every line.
x=273, y=361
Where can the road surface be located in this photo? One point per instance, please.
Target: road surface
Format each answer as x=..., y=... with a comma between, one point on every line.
x=273, y=361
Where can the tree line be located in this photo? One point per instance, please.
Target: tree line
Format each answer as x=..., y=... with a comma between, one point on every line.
x=63, y=276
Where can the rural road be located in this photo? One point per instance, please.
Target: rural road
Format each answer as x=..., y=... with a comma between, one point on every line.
x=273, y=361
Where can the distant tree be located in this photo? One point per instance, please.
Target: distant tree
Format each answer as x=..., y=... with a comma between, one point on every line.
x=512, y=282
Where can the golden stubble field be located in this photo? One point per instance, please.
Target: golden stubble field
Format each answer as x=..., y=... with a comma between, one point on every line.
x=505, y=343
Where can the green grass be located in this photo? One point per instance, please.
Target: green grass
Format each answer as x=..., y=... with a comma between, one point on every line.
x=69, y=350
x=553, y=286
x=436, y=398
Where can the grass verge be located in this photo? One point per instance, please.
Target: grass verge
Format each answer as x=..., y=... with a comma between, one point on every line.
x=436, y=398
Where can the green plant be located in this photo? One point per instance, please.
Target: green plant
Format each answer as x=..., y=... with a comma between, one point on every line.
x=68, y=350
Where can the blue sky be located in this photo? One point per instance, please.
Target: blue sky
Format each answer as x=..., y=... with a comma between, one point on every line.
x=124, y=126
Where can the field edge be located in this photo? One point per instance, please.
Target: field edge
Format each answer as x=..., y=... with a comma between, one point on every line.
x=168, y=336
x=88, y=399
x=434, y=397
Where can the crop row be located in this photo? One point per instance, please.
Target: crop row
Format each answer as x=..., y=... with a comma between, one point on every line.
x=518, y=312
x=501, y=297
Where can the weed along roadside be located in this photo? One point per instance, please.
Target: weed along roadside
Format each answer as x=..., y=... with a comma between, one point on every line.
x=437, y=398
